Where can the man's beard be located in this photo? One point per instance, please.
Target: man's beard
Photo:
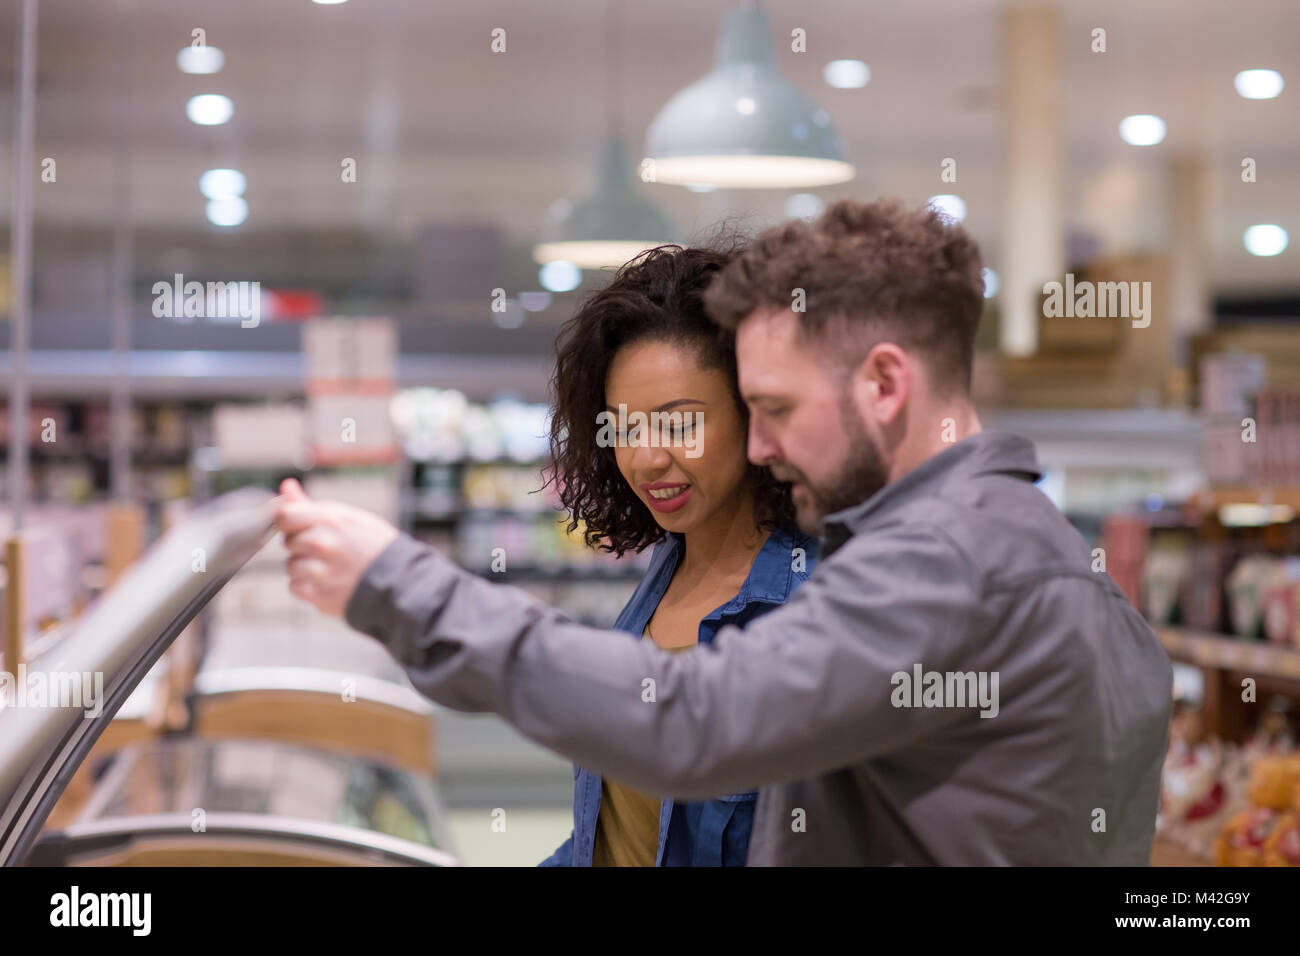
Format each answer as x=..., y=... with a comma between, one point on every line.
x=862, y=473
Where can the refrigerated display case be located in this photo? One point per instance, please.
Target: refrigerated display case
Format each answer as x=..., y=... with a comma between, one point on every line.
x=256, y=797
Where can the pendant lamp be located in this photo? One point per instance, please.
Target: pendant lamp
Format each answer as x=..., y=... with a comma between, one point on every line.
x=614, y=222
x=744, y=125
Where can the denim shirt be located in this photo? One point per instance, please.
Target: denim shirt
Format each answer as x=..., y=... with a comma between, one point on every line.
x=711, y=832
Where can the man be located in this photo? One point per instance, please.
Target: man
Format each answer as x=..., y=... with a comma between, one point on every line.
x=954, y=684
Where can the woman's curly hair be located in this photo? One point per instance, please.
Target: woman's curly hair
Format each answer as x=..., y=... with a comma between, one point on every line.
x=658, y=296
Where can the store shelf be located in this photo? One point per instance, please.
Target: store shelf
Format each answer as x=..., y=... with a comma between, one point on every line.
x=211, y=374
x=1224, y=652
x=1147, y=439
x=1225, y=662
x=1218, y=497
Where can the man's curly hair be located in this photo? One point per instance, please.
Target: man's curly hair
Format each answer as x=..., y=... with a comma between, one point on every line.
x=870, y=273
x=658, y=296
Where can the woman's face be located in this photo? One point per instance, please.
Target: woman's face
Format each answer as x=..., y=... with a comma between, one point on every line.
x=689, y=465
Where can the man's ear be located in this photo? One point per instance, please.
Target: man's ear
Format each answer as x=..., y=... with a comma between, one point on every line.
x=881, y=384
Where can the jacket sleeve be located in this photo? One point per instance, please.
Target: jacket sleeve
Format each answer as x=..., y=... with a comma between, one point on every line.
x=802, y=690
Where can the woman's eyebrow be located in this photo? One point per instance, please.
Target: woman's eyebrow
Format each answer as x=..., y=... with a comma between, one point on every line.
x=666, y=405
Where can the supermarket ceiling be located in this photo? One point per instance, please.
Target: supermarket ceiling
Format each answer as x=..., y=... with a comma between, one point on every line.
x=446, y=132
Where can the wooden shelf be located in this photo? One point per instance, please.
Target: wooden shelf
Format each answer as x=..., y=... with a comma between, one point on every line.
x=1225, y=662
x=1218, y=497
x=1225, y=652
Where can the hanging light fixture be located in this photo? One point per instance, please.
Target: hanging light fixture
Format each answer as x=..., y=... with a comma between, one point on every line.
x=614, y=222
x=744, y=125
x=611, y=225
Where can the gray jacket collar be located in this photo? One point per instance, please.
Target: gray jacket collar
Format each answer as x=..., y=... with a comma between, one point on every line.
x=986, y=452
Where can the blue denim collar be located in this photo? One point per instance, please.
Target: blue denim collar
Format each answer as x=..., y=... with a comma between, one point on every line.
x=771, y=578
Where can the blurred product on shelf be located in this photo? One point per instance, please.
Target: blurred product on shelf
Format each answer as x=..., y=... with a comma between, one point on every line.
x=259, y=435
x=1203, y=596
x=54, y=588
x=1274, y=457
x=1164, y=578
x=497, y=543
x=351, y=376
x=1245, y=587
x=1201, y=782
x=344, y=349
x=1124, y=538
x=438, y=491
x=1232, y=804
x=441, y=425
x=350, y=428
x=1268, y=832
x=1282, y=602
x=1229, y=382
x=68, y=456
x=496, y=486
x=477, y=490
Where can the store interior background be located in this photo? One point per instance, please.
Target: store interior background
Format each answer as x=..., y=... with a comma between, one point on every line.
x=466, y=158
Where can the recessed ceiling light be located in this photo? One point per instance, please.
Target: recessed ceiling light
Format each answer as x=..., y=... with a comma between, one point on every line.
x=559, y=276
x=513, y=316
x=847, y=74
x=200, y=59
x=329, y=3
x=1142, y=129
x=230, y=211
x=209, y=109
x=535, y=301
x=1265, y=240
x=222, y=183
x=954, y=207
x=1258, y=84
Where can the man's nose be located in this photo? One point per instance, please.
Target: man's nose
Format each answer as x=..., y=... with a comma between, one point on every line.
x=761, y=449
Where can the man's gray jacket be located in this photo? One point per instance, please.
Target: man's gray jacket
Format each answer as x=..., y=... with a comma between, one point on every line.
x=954, y=684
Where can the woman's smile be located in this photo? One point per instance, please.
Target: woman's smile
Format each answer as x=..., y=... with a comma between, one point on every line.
x=666, y=496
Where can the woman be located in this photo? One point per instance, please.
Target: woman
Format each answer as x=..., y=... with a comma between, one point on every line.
x=726, y=548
